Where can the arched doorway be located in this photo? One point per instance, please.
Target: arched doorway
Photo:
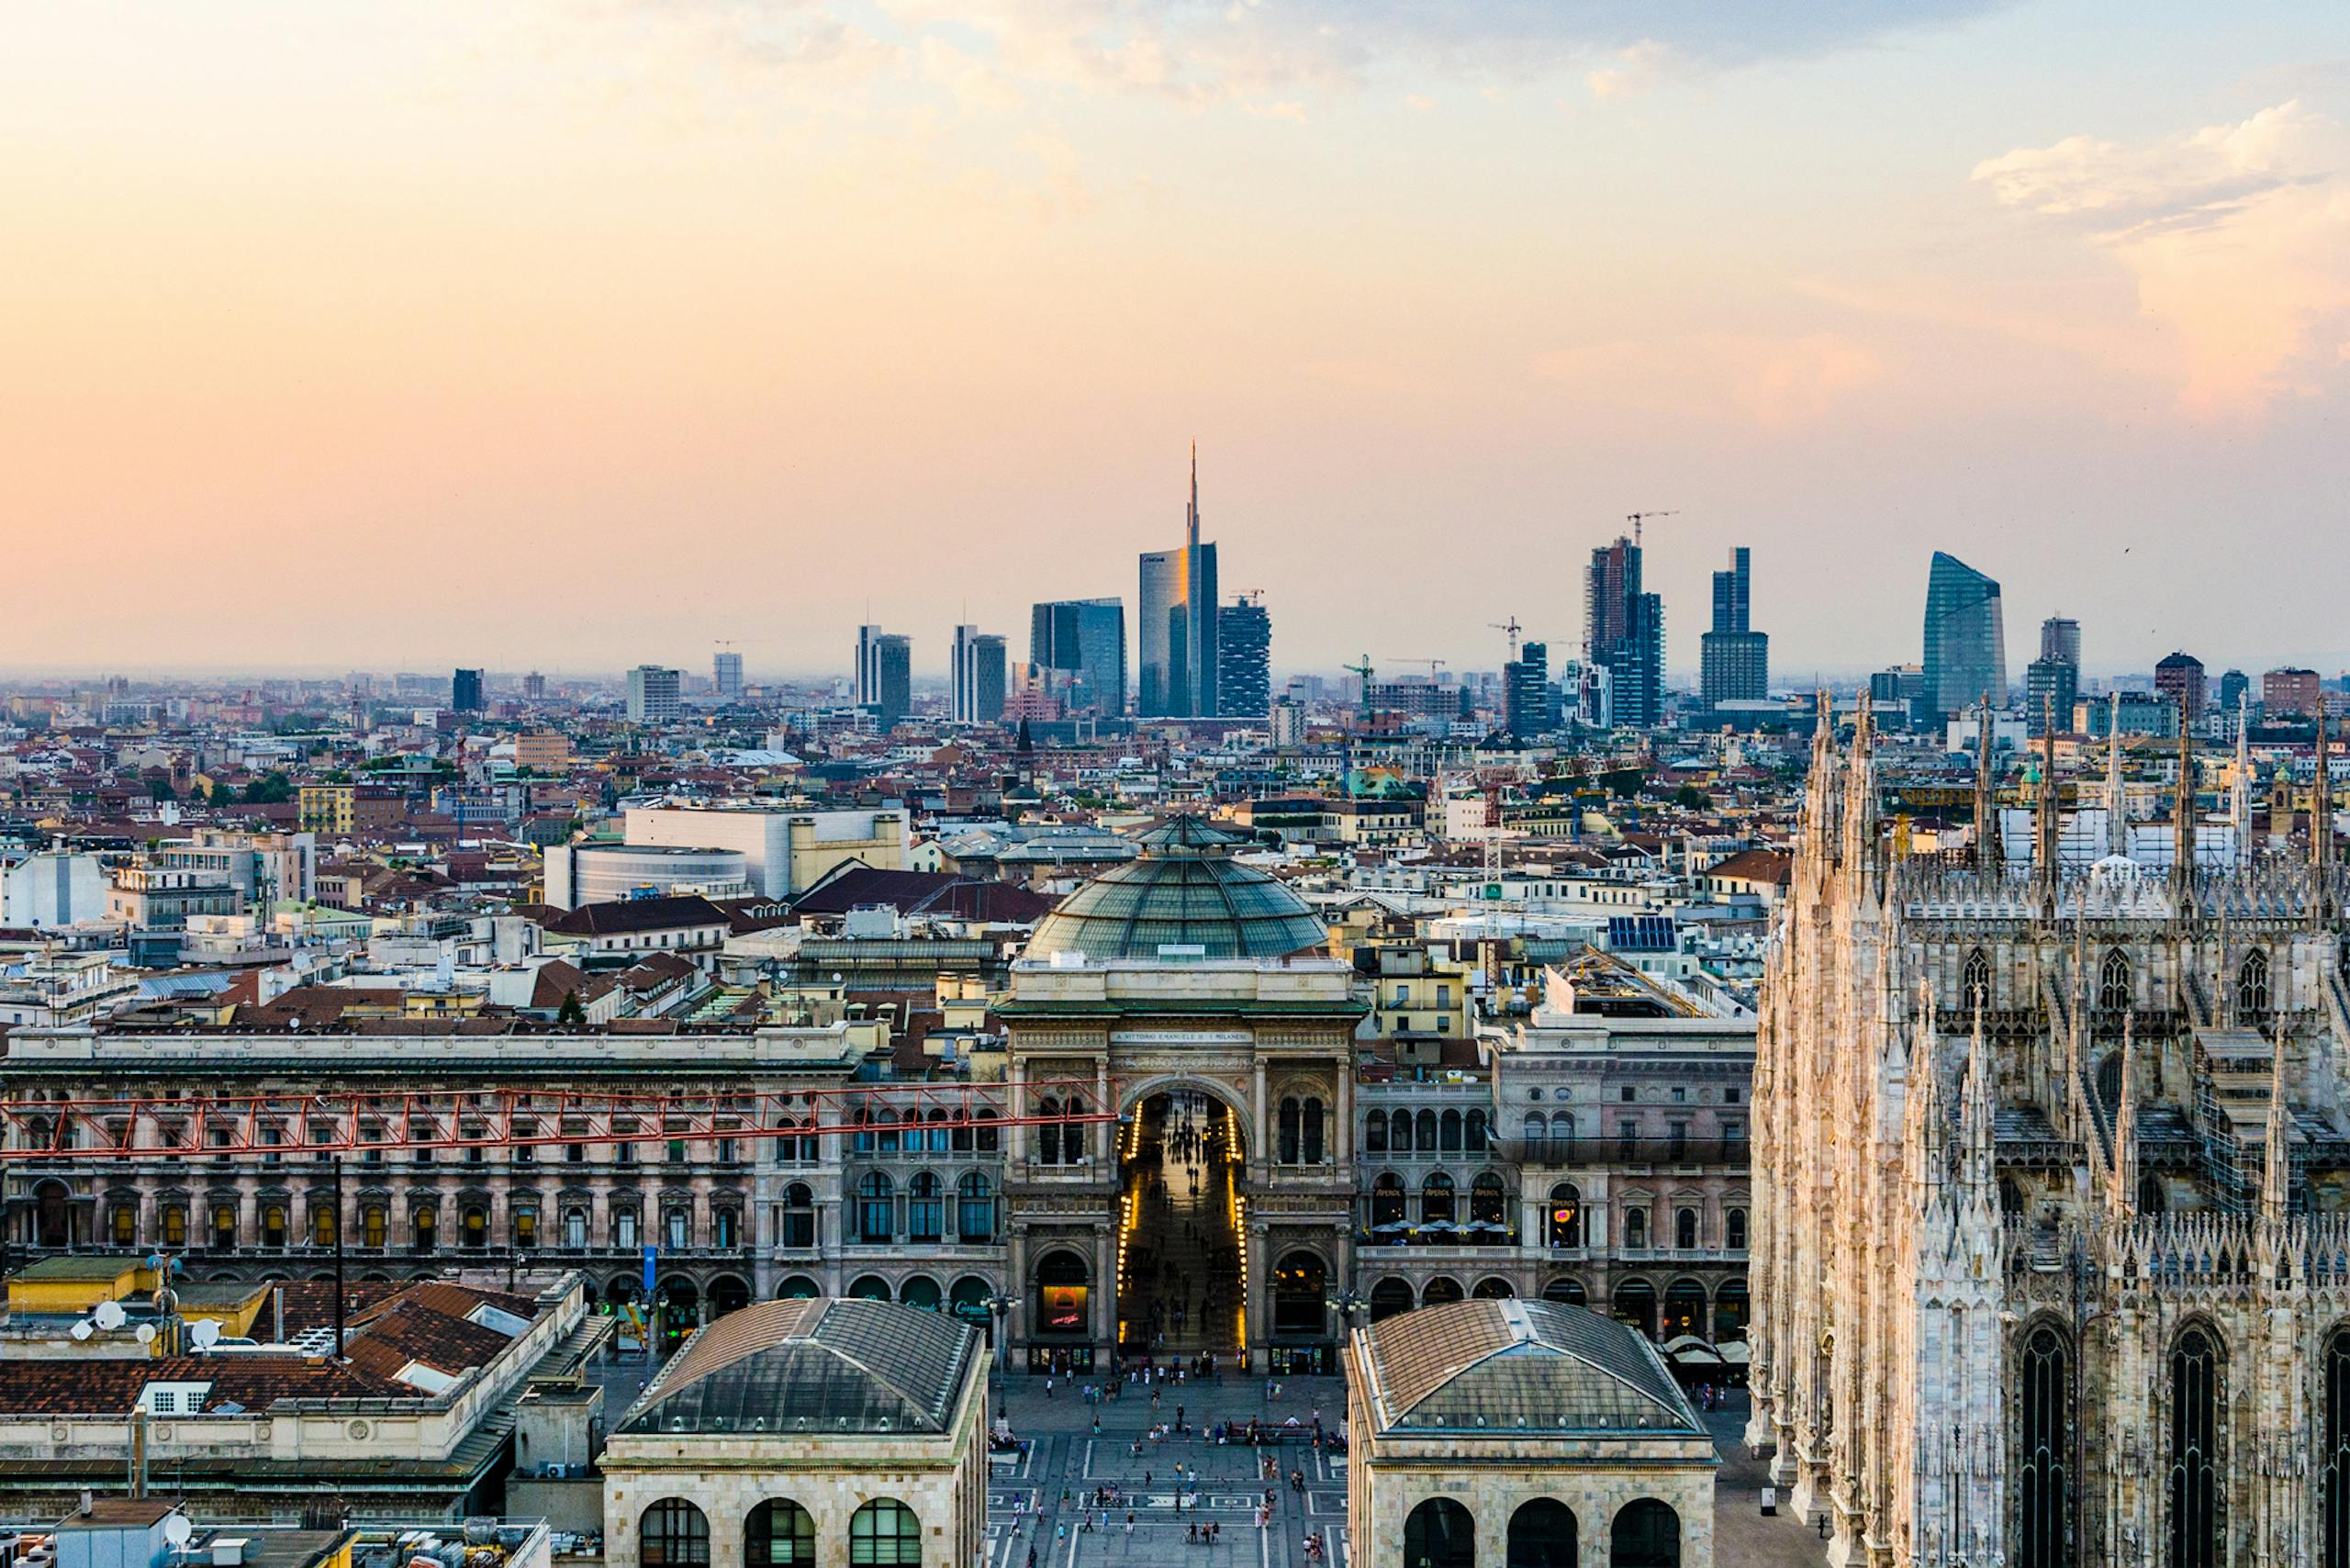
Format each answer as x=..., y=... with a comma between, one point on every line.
x=1061, y=1308
x=968, y=1300
x=672, y=1533
x=1493, y=1287
x=1389, y=1297
x=1300, y=1304
x=1442, y=1290
x=921, y=1291
x=1566, y=1290
x=1684, y=1309
x=679, y=1300
x=728, y=1292
x=779, y=1534
x=799, y=1287
x=868, y=1287
x=1647, y=1534
x=1182, y=1162
x=1635, y=1305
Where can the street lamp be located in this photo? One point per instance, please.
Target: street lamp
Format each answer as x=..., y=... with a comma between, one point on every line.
x=1001, y=1306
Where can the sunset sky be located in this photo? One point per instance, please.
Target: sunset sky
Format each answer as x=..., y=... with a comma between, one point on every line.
x=575, y=333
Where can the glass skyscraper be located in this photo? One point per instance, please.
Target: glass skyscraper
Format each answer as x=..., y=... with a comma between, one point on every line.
x=1735, y=659
x=1966, y=644
x=1624, y=635
x=1244, y=660
x=1085, y=641
x=1178, y=638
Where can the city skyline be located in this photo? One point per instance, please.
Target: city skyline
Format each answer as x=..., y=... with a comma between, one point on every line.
x=825, y=293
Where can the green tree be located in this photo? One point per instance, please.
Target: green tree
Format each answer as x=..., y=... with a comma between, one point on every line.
x=571, y=1012
x=269, y=790
x=1692, y=798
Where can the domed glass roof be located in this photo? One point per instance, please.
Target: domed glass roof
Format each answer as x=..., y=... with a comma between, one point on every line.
x=1183, y=890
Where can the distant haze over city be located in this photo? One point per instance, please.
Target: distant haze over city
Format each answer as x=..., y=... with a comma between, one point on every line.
x=563, y=338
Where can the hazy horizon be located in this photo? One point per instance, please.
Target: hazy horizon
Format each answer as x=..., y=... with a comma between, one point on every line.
x=587, y=332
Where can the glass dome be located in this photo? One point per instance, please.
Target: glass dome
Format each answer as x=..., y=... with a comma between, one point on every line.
x=1185, y=890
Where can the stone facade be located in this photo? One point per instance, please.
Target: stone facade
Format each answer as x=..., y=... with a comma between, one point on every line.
x=2051, y=1148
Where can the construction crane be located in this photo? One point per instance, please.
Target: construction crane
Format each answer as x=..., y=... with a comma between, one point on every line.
x=1512, y=628
x=1636, y=517
x=1362, y=670
x=1433, y=664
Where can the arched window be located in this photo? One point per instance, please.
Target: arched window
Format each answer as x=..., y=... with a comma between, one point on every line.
x=2010, y=1197
x=424, y=1228
x=925, y=1208
x=1287, y=1136
x=1440, y=1534
x=1442, y=1290
x=1734, y=1230
x=1685, y=1310
x=1975, y=983
x=725, y=1229
x=1312, y=1136
x=2044, y=1452
x=799, y=1216
x=868, y=1287
x=1424, y=1131
x=124, y=1220
x=1566, y=1216
x=672, y=1533
x=374, y=1225
x=1449, y=1133
x=323, y=1225
x=473, y=1226
x=974, y=1210
x=1048, y=1133
x=175, y=1218
x=2194, y=1451
x=1374, y=1132
x=875, y=1218
x=885, y=1534
x=2108, y=1080
x=1562, y=1136
x=921, y=1291
x=1473, y=1133
x=273, y=1225
x=2333, y=1478
x=987, y=1137
x=779, y=1535
x=1488, y=1204
x=2251, y=985
x=1730, y=1312
x=575, y=1228
x=1542, y=1535
x=1636, y=1229
x=938, y=1140
x=2113, y=990
x=1387, y=1201
x=1401, y=1122
x=1538, y=1135
x=2152, y=1197
x=1685, y=1229
x=1647, y=1534
x=1436, y=1199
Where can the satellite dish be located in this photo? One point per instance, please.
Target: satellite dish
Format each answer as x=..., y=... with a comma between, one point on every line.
x=176, y=1530
x=146, y=1333
x=207, y=1332
x=110, y=1315
x=80, y=1330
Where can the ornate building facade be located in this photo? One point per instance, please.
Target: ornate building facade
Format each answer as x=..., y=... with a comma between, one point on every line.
x=2051, y=1264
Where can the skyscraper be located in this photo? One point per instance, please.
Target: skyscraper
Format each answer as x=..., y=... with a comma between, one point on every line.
x=1736, y=660
x=534, y=687
x=652, y=694
x=2060, y=638
x=1525, y=692
x=1966, y=644
x=726, y=671
x=979, y=675
x=884, y=674
x=2180, y=679
x=1624, y=635
x=1081, y=644
x=1177, y=635
x=464, y=691
x=1245, y=658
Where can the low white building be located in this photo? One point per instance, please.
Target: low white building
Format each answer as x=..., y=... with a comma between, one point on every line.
x=820, y=1430
x=1522, y=1431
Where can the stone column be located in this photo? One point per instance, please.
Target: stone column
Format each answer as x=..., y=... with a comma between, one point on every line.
x=1260, y=1150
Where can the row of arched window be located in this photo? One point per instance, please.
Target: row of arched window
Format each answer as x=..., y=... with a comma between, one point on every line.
x=1683, y=1309
x=2192, y=1495
x=881, y=1215
x=908, y=1132
x=673, y=1533
x=1564, y=1222
x=1442, y=1533
x=1426, y=1133
x=2116, y=983
x=379, y=1224
x=1297, y=1137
